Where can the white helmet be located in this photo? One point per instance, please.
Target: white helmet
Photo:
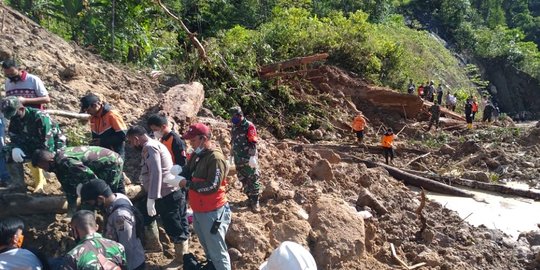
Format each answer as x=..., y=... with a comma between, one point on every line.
x=289, y=256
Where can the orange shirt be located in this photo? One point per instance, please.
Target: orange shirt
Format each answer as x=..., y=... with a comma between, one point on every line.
x=359, y=123
x=388, y=140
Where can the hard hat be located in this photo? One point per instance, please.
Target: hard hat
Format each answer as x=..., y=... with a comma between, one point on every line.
x=235, y=110
x=289, y=256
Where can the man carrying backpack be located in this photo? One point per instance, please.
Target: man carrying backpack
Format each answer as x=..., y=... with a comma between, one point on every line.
x=124, y=222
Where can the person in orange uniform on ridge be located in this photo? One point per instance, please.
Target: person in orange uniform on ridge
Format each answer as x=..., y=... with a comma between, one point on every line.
x=358, y=126
x=387, y=144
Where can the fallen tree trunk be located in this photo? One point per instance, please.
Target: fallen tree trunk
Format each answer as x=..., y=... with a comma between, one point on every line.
x=373, y=149
x=417, y=181
x=498, y=188
x=27, y=204
x=298, y=61
x=83, y=116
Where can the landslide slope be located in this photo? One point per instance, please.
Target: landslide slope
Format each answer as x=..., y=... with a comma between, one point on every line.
x=301, y=202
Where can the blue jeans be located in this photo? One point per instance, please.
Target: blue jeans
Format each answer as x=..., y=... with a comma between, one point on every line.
x=214, y=245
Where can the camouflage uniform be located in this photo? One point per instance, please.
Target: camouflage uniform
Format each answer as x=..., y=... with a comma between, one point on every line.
x=36, y=130
x=74, y=165
x=244, y=145
x=84, y=255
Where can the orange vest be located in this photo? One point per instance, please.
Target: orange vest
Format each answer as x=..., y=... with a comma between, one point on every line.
x=358, y=123
x=474, y=106
x=202, y=203
x=387, y=140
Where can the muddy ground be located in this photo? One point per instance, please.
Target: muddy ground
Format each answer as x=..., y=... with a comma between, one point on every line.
x=312, y=184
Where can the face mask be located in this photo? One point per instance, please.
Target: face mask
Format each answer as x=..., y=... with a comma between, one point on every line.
x=199, y=149
x=158, y=135
x=236, y=119
x=20, y=241
x=15, y=78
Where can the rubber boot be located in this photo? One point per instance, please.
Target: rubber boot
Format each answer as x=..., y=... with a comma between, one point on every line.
x=39, y=178
x=179, y=250
x=151, y=238
x=16, y=171
x=255, y=206
x=469, y=126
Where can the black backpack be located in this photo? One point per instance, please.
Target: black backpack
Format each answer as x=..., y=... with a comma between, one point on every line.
x=191, y=263
x=139, y=219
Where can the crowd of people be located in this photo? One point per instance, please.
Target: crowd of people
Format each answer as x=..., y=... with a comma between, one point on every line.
x=176, y=181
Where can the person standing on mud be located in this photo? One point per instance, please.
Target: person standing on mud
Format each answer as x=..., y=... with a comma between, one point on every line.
x=439, y=94
x=124, y=222
x=387, y=143
x=31, y=92
x=162, y=198
x=107, y=126
x=411, y=87
x=429, y=91
x=469, y=113
x=75, y=166
x=92, y=250
x=435, y=111
x=358, y=125
x=244, y=150
x=474, y=107
x=204, y=177
x=421, y=90
x=29, y=129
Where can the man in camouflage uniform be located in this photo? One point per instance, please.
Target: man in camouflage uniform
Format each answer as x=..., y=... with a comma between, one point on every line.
x=75, y=166
x=29, y=129
x=93, y=252
x=244, y=151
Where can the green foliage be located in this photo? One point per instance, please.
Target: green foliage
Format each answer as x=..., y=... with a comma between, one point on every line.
x=77, y=135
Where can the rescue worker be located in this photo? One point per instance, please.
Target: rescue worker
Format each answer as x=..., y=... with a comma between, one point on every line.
x=387, y=143
x=107, y=126
x=92, y=250
x=161, y=198
x=124, y=223
x=469, y=113
x=421, y=90
x=244, y=150
x=204, y=177
x=411, y=87
x=12, y=255
x=435, y=111
x=439, y=94
x=177, y=148
x=430, y=93
x=474, y=107
x=29, y=129
x=31, y=92
x=358, y=125
x=488, y=112
x=75, y=166
x=167, y=136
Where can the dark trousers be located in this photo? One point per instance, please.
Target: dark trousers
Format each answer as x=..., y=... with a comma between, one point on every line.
x=172, y=210
x=469, y=118
x=388, y=152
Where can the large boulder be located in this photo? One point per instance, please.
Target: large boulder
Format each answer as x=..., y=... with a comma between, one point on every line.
x=321, y=171
x=182, y=102
x=337, y=232
x=329, y=155
x=296, y=230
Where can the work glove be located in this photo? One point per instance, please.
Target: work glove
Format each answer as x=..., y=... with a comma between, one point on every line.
x=151, y=207
x=173, y=181
x=176, y=169
x=18, y=155
x=253, y=162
